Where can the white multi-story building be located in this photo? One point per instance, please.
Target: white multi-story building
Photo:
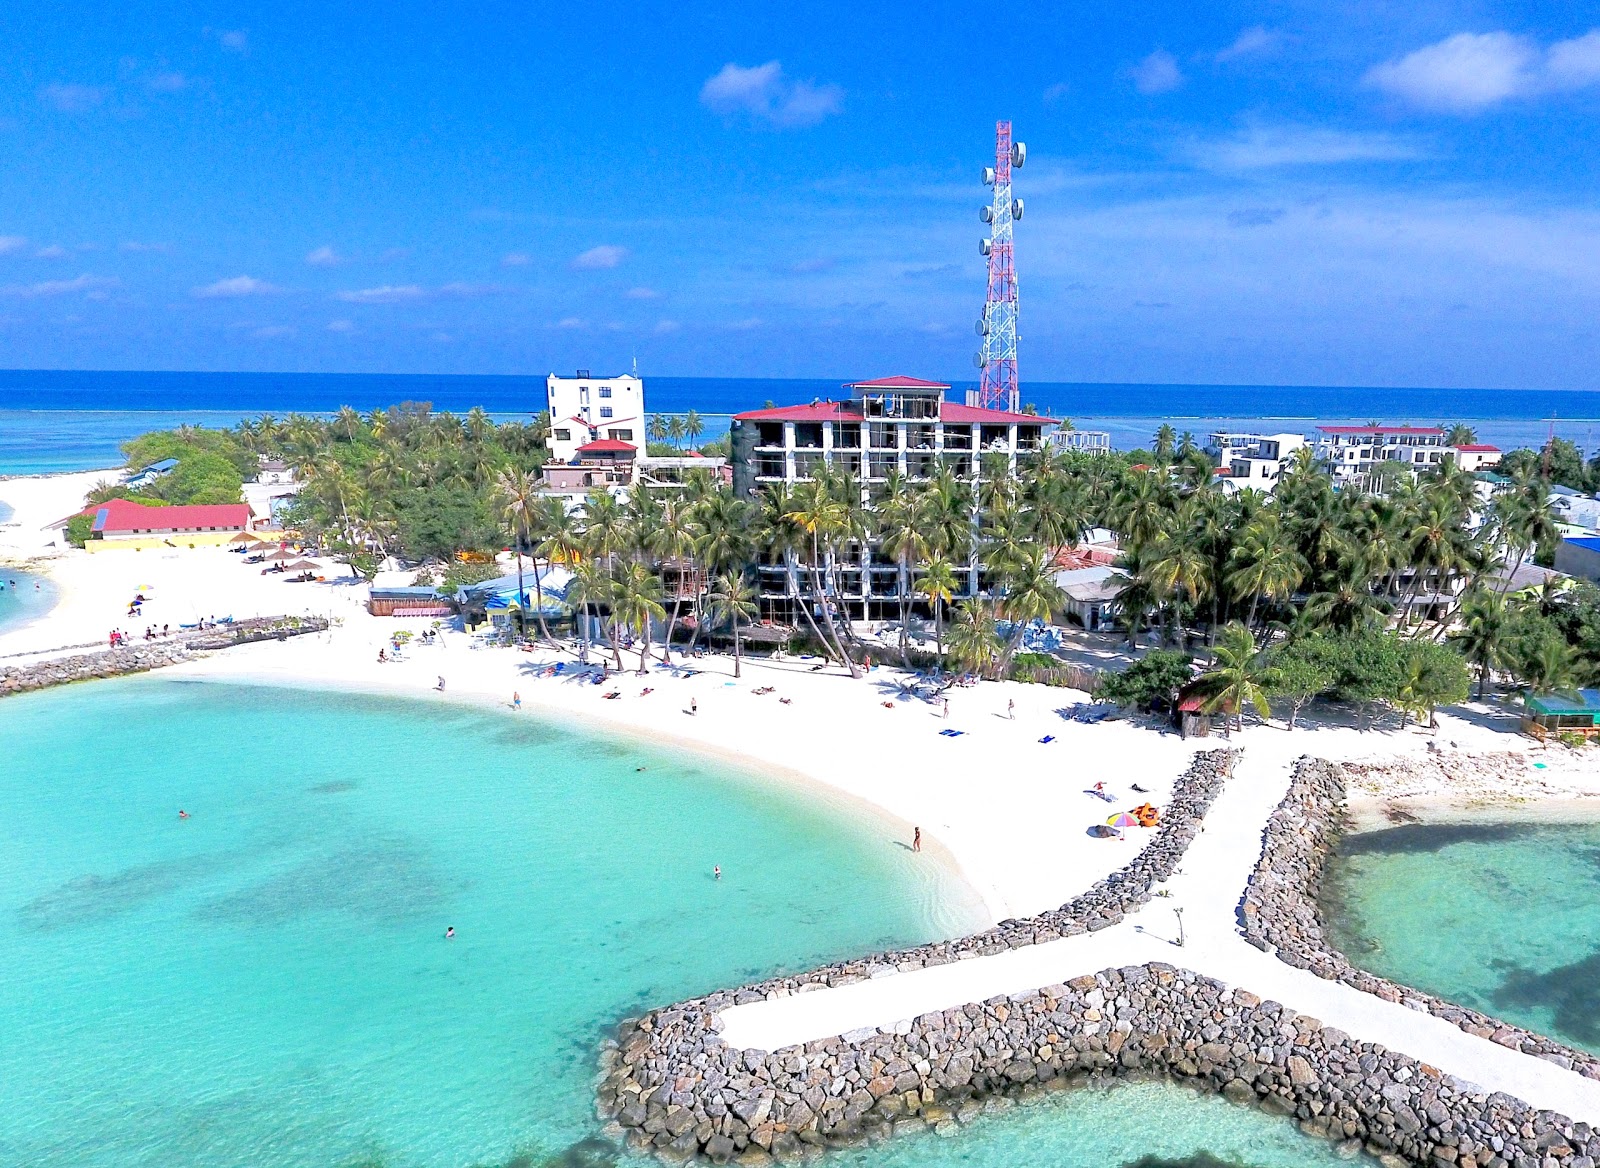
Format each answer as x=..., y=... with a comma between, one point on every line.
x=585, y=409
x=1253, y=461
x=891, y=426
x=1352, y=451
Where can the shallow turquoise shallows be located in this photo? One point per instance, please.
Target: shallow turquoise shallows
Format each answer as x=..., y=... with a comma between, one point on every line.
x=23, y=597
x=1502, y=918
x=267, y=983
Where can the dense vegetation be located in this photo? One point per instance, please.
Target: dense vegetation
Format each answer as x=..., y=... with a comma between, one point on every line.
x=1311, y=592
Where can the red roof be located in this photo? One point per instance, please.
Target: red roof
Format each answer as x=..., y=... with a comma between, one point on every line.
x=119, y=515
x=1477, y=449
x=841, y=411
x=1380, y=429
x=607, y=446
x=900, y=381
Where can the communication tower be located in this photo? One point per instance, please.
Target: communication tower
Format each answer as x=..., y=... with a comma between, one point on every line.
x=998, y=328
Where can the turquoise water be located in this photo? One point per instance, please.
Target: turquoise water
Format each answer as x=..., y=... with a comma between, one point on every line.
x=267, y=983
x=24, y=596
x=1502, y=918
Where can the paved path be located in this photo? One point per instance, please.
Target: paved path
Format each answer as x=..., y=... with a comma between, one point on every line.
x=1207, y=888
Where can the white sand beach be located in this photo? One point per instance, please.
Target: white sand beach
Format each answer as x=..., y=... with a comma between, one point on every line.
x=1011, y=811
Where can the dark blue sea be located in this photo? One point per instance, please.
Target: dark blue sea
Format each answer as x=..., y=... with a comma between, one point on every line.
x=59, y=420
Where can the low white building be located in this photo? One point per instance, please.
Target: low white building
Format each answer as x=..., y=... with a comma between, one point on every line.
x=1476, y=456
x=1252, y=461
x=585, y=409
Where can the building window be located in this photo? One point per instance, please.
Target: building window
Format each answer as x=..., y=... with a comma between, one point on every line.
x=605, y=411
x=563, y=435
x=622, y=435
x=605, y=391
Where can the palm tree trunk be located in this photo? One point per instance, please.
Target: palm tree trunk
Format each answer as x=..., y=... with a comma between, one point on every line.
x=738, y=646
x=538, y=590
x=666, y=644
x=644, y=647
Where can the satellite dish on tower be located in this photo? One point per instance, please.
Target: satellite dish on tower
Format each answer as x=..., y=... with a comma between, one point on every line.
x=977, y=359
x=986, y=214
x=988, y=176
x=1016, y=208
x=985, y=247
x=982, y=328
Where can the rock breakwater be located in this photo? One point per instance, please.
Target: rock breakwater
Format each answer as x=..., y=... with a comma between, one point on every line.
x=676, y=1089
x=1280, y=914
x=143, y=656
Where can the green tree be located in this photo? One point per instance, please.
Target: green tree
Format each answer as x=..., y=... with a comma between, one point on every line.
x=1299, y=672
x=1237, y=677
x=937, y=581
x=975, y=644
x=636, y=602
x=518, y=495
x=1150, y=682
x=734, y=601
x=1433, y=675
x=1481, y=637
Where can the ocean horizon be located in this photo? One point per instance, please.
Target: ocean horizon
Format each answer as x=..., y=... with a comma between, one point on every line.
x=63, y=420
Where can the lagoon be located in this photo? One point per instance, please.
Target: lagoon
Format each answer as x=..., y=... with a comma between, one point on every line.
x=268, y=983
x=1504, y=918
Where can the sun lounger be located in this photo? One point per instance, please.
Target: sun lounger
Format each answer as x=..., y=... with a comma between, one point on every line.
x=952, y=733
x=1047, y=738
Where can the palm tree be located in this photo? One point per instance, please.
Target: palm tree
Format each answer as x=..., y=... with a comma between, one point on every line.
x=591, y=589
x=902, y=540
x=1179, y=570
x=693, y=426
x=1030, y=593
x=673, y=540
x=1165, y=439
x=821, y=517
x=554, y=537
x=675, y=430
x=1237, y=677
x=734, y=601
x=974, y=639
x=937, y=581
x=518, y=493
x=637, y=603
x=1481, y=636
x=656, y=430
x=1264, y=563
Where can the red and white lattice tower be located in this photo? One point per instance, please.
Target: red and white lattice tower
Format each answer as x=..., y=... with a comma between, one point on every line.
x=998, y=328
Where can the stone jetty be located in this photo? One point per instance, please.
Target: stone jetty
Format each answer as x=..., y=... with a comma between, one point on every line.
x=143, y=656
x=694, y=1079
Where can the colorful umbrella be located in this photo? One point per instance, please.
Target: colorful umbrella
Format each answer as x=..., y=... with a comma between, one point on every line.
x=1123, y=819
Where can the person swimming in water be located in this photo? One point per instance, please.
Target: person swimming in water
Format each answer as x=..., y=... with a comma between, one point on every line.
x=182, y=814
x=716, y=871
x=449, y=932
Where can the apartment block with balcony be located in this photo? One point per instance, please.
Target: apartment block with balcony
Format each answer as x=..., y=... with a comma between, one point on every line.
x=1252, y=461
x=1352, y=451
x=893, y=424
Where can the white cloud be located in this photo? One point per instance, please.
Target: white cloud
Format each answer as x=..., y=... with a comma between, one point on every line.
x=235, y=40
x=515, y=259
x=73, y=98
x=762, y=92
x=1263, y=147
x=386, y=294
x=133, y=245
x=341, y=326
x=571, y=322
x=1255, y=41
x=1469, y=72
x=441, y=338
x=91, y=286
x=744, y=326
x=643, y=294
x=1056, y=92
x=1157, y=73
x=464, y=290
x=605, y=256
x=663, y=327
x=234, y=286
x=54, y=252
x=10, y=243
x=166, y=83
x=324, y=257
x=273, y=331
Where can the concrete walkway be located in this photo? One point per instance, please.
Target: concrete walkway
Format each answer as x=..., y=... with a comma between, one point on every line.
x=1207, y=889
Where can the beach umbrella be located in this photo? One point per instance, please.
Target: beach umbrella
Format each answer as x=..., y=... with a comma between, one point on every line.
x=302, y=566
x=1122, y=819
x=243, y=537
x=280, y=556
x=262, y=546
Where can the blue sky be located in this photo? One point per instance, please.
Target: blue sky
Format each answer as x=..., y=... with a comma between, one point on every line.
x=1335, y=193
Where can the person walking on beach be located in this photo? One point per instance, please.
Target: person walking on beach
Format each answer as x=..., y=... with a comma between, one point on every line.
x=946, y=713
x=694, y=706
x=440, y=686
x=916, y=839
x=516, y=700
x=1011, y=709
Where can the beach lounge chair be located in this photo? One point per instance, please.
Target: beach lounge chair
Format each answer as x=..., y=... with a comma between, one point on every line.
x=952, y=733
